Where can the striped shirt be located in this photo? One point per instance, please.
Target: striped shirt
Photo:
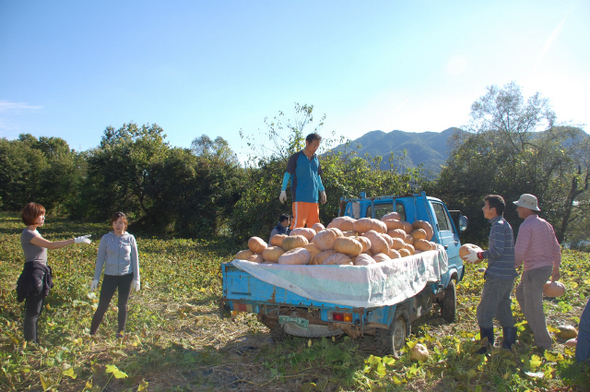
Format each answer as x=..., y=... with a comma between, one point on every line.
x=536, y=244
x=500, y=253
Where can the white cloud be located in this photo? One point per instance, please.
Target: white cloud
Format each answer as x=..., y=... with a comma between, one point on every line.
x=16, y=107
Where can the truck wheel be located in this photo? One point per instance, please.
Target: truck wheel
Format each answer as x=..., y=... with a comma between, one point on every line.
x=277, y=333
x=391, y=340
x=448, y=306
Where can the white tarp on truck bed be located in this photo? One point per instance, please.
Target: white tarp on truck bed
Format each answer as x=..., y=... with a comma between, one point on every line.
x=386, y=283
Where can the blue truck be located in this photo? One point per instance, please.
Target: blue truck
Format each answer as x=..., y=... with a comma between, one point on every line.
x=401, y=296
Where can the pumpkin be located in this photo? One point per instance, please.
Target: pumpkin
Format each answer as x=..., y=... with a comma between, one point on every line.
x=294, y=241
x=397, y=233
x=423, y=245
x=337, y=231
x=272, y=253
x=407, y=227
x=409, y=239
x=553, y=289
x=363, y=259
x=243, y=254
x=378, y=243
x=391, y=215
x=342, y=223
x=567, y=332
x=393, y=254
x=324, y=240
x=387, y=239
x=313, y=250
x=348, y=246
x=304, y=231
x=256, y=258
x=318, y=227
x=419, y=234
x=256, y=244
x=466, y=248
x=403, y=252
x=573, y=342
x=296, y=256
x=320, y=257
x=397, y=243
x=365, y=242
x=410, y=248
x=419, y=353
x=365, y=224
x=350, y=233
x=394, y=224
x=426, y=226
x=337, y=258
x=277, y=239
x=381, y=257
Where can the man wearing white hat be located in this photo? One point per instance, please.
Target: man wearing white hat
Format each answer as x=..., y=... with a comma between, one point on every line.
x=537, y=247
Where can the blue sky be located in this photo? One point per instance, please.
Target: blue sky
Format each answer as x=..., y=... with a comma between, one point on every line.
x=71, y=68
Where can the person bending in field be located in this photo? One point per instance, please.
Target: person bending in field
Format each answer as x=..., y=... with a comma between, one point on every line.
x=117, y=253
x=304, y=172
x=35, y=280
x=282, y=227
x=499, y=276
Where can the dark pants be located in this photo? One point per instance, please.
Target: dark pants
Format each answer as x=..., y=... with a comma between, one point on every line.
x=110, y=283
x=33, y=308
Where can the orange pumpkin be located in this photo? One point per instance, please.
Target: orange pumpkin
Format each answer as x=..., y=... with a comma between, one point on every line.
x=381, y=257
x=294, y=241
x=419, y=234
x=277, y=239
x=363, y=259
x=318, y=227
x=393, y=224
x=465, y=249
x=393, y=254
x=410, y=248
x=324, y=240
x=423, y=245
x=304, y=231
x=296, y=256
x=365, y=242
x=348, y=246
x=397, y=243
x=397, y=233
x=426, y=226
x=256, y=258
x=313, y=250
x=272, y=253
x=257, y=244
x=378, y=243
x=343, y=223
x=391, y=215
x=337, y=258
x=243, y=254
x=319, y=259
x=553, y=289
x=403, y=252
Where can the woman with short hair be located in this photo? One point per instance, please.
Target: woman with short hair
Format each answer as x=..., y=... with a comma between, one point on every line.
x=117, y=253
x=35, y=280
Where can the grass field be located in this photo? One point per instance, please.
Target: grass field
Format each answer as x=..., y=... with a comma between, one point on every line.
x=175, y=340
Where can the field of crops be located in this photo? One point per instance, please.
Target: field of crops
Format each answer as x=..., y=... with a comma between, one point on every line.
x=175, y=340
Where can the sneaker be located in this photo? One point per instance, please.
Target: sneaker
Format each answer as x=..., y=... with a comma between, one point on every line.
x=119, y=335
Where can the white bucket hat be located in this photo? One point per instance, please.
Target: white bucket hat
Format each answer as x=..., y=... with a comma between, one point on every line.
x=528, y=201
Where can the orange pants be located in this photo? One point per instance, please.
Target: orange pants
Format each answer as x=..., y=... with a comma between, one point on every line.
x=305, y=214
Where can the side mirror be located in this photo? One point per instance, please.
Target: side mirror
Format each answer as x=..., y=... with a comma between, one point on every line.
x=463, y=221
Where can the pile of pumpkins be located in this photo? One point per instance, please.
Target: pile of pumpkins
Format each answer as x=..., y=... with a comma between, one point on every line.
x=345, y=241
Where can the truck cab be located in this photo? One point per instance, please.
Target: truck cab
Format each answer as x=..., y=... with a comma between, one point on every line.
x=414, y=207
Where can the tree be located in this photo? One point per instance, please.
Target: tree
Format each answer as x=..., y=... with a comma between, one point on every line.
x=43, y=170
x=515, y=147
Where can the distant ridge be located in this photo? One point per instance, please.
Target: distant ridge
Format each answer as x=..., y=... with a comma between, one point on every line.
x=430, y=149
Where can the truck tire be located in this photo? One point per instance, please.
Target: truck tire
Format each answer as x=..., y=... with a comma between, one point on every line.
x=312, y=331
x=277, y=333
x=448, y=306
x=391, y=340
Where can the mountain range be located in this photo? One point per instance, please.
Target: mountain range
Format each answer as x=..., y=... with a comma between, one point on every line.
x=431, y=149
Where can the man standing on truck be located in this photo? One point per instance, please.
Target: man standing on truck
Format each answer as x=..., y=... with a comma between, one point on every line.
x=304, y=171
x=499, y=276
x=538, y=248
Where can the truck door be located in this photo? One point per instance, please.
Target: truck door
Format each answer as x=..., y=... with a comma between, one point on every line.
x=449, y=238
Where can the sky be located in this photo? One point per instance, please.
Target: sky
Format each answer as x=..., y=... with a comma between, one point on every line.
x=70, y=69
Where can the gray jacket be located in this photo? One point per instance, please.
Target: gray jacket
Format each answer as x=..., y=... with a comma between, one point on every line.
x=118, y=255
